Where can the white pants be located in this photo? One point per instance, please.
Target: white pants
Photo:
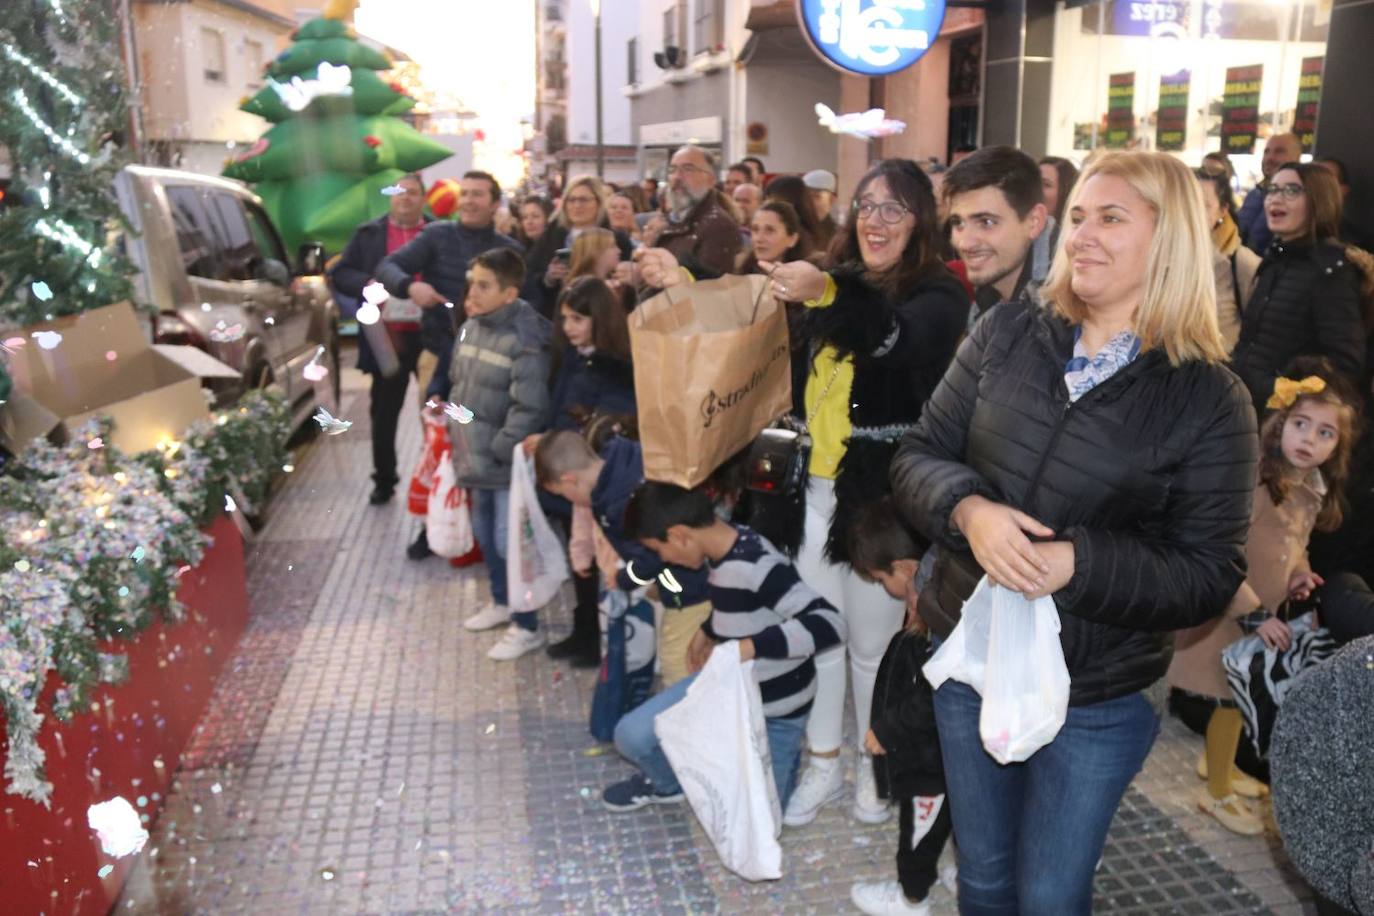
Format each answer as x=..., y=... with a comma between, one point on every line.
x=871, y=618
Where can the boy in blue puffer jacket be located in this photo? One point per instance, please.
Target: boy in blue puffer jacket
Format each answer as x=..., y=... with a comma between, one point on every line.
x=499, y=367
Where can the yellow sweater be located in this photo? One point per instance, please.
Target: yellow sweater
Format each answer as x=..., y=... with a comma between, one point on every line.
x=827, y=400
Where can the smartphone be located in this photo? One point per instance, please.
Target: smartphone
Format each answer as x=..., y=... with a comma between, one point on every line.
x=564, y=255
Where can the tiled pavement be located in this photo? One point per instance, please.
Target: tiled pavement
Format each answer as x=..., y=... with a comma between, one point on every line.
x=362, y=755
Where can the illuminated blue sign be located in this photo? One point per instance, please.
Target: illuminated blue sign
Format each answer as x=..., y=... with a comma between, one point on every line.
x=871, y=37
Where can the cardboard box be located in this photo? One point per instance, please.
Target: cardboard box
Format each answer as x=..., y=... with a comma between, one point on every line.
x=105, y=366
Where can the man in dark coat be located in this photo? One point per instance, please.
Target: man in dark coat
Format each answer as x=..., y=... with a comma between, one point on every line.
x=701, y=234
x=431, y=271
x=397, y=335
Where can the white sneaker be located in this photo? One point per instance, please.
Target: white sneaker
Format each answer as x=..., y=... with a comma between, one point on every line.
x=515, y=642
x=949, y=877
x=885, y=898
x=822, y=783
x=868, y=807
x=493, y=615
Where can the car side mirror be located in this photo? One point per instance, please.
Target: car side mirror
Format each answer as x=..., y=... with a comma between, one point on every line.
x=310, y=259
x=274, y=272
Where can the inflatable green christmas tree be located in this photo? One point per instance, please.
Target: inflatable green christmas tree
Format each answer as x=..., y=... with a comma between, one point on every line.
x=336, y=143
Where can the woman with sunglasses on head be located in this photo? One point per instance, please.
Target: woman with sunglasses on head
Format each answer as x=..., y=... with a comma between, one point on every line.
x=880, y=327
x=1306, y=298
x=583, y=207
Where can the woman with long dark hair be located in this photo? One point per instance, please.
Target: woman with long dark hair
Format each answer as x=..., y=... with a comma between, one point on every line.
x=791, y=190
x=1057, y=177
x=881, y=326
x=1306, y=299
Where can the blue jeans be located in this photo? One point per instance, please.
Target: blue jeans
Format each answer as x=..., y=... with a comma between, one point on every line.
x=1030, y=834
x=636, y=741
x=489, y=509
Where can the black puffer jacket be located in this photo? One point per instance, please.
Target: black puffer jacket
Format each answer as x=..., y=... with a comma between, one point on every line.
x=903, y=721
x=1306, y=302
x=1150, y=475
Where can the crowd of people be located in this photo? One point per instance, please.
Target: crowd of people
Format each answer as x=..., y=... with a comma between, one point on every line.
x=1113, y=387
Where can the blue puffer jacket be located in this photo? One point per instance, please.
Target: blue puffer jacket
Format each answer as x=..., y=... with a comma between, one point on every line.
x=621, y=476
x=440, y=255
x=498, y=369
x=594, y=383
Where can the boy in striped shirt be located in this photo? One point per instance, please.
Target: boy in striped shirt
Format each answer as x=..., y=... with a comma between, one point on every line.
x=759, y=602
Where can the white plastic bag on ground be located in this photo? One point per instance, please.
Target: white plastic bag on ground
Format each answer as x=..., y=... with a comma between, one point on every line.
x=536, y=564
x=717, y=741
x=1007, y=648
x=448, y=524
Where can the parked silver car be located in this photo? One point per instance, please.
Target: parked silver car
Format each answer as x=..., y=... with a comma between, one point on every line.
x=211, y=261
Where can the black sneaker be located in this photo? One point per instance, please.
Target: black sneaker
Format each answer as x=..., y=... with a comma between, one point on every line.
x=420, y=549
x=635, y=793
x=381, y=496
x=576, y=643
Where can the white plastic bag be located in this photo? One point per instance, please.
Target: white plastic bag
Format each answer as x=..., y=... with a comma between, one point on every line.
x=1007, y=648
x=448, y=524
x=717, y=741
x=536, y=565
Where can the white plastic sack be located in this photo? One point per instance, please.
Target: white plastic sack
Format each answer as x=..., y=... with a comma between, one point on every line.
x=717, y=741
x=448, y=524
x=1007, y=648
x=536, y=565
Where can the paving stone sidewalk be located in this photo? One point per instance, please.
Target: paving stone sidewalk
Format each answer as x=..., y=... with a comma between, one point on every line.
x=362, y=755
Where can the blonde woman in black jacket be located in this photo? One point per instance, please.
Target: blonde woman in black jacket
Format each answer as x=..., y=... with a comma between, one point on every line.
x=1098, y=451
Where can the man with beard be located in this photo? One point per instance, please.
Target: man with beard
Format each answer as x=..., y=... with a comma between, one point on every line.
x=999, y=225
x=702, y=236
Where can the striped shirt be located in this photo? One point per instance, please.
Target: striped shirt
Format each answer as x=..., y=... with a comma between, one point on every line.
x=757, y=594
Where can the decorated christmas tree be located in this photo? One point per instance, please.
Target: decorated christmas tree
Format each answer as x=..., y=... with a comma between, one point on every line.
x=62, y=121
x=337, y=142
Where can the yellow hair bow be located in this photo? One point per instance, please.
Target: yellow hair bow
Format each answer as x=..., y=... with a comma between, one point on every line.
x=1286, y=391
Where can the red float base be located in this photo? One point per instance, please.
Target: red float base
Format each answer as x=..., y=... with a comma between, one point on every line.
x=129, y=745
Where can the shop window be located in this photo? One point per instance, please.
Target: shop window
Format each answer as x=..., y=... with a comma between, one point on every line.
x=709, y=27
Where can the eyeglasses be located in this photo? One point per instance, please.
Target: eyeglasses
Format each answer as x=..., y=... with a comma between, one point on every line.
x=1289, y=191
x=685, y=169
x=889, y=212
x=580, y=199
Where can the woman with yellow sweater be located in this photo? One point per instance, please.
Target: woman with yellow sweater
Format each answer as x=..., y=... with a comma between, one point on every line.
x=880, y=328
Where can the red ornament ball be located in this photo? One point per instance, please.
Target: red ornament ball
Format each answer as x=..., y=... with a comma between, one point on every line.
x=442, y=197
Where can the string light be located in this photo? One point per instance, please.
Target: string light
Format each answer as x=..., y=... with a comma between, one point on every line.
x=61, y=231
x=22, y=100
x=58, y=86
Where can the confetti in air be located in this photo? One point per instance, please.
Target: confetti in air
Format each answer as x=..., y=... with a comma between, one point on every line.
x=866, y=125
x=491, y=728
x=111, y=356
x=224, y=332
x=104, y=871
x=138, y=554
x=41, y=290
x=332, y=425
x=116, y=823
x=95, y=443
x=229, y=504
x=313, y=371
x=48, y=340
x=393, y=190
x=327, y=874
x=374, y=294
x=459, y=413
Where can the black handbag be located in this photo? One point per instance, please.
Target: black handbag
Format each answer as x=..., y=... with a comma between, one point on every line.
x=777, y=462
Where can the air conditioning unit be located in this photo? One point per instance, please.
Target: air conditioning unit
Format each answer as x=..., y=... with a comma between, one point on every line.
x=670, y=58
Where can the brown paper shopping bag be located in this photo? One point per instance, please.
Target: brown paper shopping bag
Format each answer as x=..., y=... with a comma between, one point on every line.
x=711, y=370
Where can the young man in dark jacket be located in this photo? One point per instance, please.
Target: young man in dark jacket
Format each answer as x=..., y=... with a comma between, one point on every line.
x=439, y=257
x=498, y=371
x=397, y=335
x=999, y=225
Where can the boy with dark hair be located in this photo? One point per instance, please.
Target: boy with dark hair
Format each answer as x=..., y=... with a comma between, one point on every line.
x=902, y=736
x=566, y=465
x=758, y=602
x=999, y=225
x=499, y=372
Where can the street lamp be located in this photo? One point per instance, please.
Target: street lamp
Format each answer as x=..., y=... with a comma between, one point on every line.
x=600, y=149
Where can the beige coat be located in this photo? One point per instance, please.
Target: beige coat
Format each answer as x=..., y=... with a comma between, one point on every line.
x=1235, y=278
x=1275, y=550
